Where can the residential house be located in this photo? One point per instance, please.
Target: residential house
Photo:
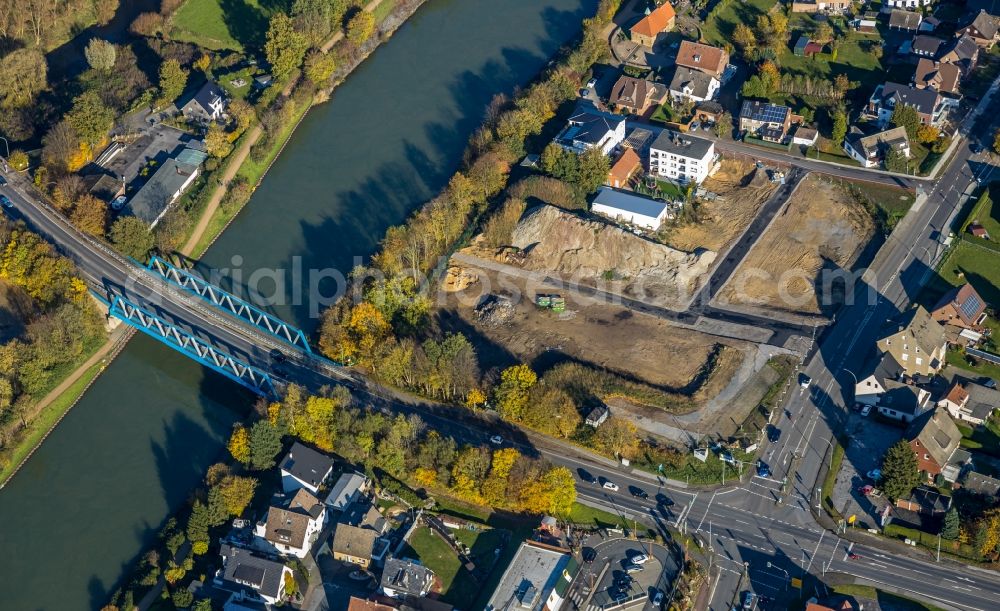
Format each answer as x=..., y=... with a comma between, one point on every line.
x=927, y=46
x=832, y=603
x=915, y=341
x=981, y=484
x=978, y=231
x=402, y=578
x=251, y=576
x=628, y=208
x=933, y=437
x=982, y=29
x=961, y=307
x=638, y=140
x=902, y=401
x=348, y=489
x=925, y=500
x=929, y=24
x=627, y=164
x=681, y=157
x=238, y=602
x=694, y=85
x=597, y=416
x=871, y=384
x=104, y=187
x=636, y=95
x=590, y=128
x=304, y=467
x=365, y=515
x=836, y=7
x=262, y=81
x=703, y=58
x=904, y=20
x=292, y=528
x=765, y=120
x=154, y=198
x=870, y=151
x=359, y=604
x=537, y=578
x=806, y=48
x=353, y=544
x=207, y=105
x=905, y=4
x=937, y=76
x=929, y=104
x=963, y=52
x=805, y=136
x=968, y=401
x=661, y=19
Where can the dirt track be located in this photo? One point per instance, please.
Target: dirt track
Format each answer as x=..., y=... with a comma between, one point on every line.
x=822, y=228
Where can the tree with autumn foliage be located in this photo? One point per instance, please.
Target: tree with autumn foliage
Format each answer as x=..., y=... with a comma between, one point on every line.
x=90, y=215
x=988, y=534
x=239, y=445
x=236, y=492
x=511, y=395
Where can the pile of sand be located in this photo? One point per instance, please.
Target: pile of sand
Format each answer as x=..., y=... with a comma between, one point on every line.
x=591, y=251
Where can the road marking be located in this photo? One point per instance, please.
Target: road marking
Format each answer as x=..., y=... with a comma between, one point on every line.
x=813, y=556
x=710, y=501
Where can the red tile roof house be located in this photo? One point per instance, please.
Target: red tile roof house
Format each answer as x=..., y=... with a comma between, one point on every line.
x=978, y=230
x=661, y=19
x=960, y=307
x=933, y=437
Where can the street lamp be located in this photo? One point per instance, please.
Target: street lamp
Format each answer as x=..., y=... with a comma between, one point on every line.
x=787, y=576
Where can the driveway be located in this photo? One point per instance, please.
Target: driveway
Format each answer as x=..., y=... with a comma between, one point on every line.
x=869, y=440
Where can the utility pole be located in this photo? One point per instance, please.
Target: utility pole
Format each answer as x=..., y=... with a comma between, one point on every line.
x=939, y=548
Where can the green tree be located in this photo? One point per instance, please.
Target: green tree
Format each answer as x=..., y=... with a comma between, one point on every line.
x=996, y=142
x=899, y=470
x=173, y=79
x=23, y=73
x=101, y=55
x=132, y=237
x=237, y=492
x=895, y=161
x=284, y=47
x=217, y=143
x=182, y=598
x=18, y=160
x=320, y=66
x=552, y=156
x=360, y=27
x=90, y=117
x=593, y=170
x=745, y=39
x=952, y=525
x=839, y=130
x=724, y=125
x=202, y=604
x=198, y=522
x=511, y=394
x=904, y=115
x=265, y=443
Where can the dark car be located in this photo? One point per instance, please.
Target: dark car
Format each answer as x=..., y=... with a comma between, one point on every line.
x=662, y=499
x=762, y=469
x=589, y=554
x=5, y=202
x=3, y=181
x=773, y=433
x=637, y=492
x=749, y=601
x=586, y=476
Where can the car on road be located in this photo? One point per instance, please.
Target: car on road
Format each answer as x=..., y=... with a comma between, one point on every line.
x=592, y=83
x=589, y=554
x=662, y=499
x=637, y=492
x=586, y=476
x=657, y=598
x=640, y=558
x=749, y=601
x=804, y=380
x=3, y=181
x=762, y=469
x=5, y=202
x=496, y=440
x=773, y=433
x=866, y=410
x=610, y=486
x=633, y=568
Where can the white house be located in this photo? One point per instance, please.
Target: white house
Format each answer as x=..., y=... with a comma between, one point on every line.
x=207, y=105
x=629, y=208
x=905, y=4
x=292, y=529
x=872, y=382
x=971, y=402
x=590, y=128
x=304, y=467
x=681, y=157
x=403, y=578
x=903, y=402
x=871, y=150
x=251, y=577
x=348, y=489
x=693, y=85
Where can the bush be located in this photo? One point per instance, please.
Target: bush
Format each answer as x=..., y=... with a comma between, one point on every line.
x=182, y=598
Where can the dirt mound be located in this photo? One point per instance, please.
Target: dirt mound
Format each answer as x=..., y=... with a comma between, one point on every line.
x=495, y=311
x=458, y=279
x=588, y=251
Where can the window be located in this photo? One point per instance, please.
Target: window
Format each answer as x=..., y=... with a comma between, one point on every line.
x=905, y=356
x=920, y=361
x=927, y=456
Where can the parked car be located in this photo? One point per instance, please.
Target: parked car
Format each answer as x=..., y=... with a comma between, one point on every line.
x=728, y=458
x=875, y=474
x=632, y=568
x=640, y=559
x=804, y=380
x=592, y=83
x=589, y=554
x=866, y=410
x=496, y=440
x=611, y=486
x=637, y=492
x=5, y=202
x=749, y=601
x=3, y=181
x=584, y=93
x=657, y=597
x=762, y=469
x=694, y=126
x=773, y=433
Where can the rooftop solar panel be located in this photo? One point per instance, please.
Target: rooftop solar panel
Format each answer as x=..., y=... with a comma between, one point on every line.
x=971, y=306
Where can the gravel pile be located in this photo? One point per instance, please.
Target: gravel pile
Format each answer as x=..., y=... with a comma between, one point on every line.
x=495, y=311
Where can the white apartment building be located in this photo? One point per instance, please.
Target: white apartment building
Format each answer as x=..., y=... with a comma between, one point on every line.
x=681, y=157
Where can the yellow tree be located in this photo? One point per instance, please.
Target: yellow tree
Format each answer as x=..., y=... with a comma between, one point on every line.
x=216, y=142
x=619, y=437
x=988, y=534
x=512, y=393
x=561, y=490
x=475, y=398
x=368, y=328
x=90, y=215
x=495, y=486
x=425, y=476
x=360, y=27
x=237, y=492
x=239, y=445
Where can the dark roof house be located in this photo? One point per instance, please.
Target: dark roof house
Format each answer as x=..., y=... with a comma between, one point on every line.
x=927, y=46
x=940, y=77
x=962, y=306
x=904, y=20
x=207, y=104
x=304, y=467
x=246, y=572
x=982, y=28
x=152, y=200
x=694, y=84
x=401, y=578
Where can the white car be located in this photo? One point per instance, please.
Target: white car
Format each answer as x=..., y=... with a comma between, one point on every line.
x=591, y=83
x=805, y=381
x=640, y=559
x=496, y=440
x=611, y=486
x=866, y=410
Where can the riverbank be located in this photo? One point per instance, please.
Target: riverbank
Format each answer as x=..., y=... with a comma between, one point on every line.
x=216, y=218
x=50, y=410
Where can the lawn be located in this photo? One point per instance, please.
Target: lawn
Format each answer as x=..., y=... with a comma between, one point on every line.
x=970, y=262
x=987, y=215
x=886, y=600
x=458, y=587
x=218, y=24
x=719, y=25
x=383, y=9
x=591, y=516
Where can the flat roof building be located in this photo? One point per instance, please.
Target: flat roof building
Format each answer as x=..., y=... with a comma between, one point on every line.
x=534, y=579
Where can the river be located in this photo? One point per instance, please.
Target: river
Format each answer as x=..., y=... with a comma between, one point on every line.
x=102, y=484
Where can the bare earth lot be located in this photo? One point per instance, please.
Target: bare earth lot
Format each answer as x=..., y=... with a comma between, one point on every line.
x=602, y=334
x=821, y=229
x=742, y=191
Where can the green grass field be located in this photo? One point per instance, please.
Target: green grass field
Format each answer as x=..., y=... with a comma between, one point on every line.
x=218, y=24
x=457, y=585
x=969, y=262
x=718, y=28
x=383, y=9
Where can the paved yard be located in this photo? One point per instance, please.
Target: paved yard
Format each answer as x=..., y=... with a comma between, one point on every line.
x=869, y=439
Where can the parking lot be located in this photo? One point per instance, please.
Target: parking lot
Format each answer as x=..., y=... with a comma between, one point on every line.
x=605, y=580
x=869, y=439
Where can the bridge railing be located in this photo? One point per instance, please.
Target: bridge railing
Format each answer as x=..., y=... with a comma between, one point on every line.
x=229, y=303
